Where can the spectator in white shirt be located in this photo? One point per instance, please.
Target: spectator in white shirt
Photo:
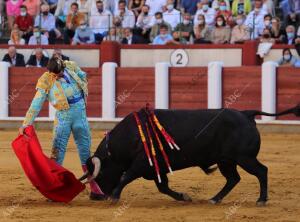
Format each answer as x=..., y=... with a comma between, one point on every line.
x=100, y=21
x=155, y=6
x=144, y=23
x=209, y=13
x=110, y=5
x=255, y=19
x=38, y=38
x=172, y=16
x=124, y=17
x=46, y=21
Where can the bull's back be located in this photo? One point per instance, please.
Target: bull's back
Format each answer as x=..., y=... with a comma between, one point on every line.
x=207, y=135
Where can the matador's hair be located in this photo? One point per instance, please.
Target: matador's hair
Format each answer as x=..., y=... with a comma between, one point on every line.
x=55, y=65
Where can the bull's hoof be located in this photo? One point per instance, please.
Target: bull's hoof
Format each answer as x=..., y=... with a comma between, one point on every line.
x=214, y=202
x=186, y=197
x=97, y=197
x=114, y=200
x=261, y=203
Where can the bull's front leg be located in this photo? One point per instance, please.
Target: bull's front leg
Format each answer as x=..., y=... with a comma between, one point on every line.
x=134, y=172
x=164, y=188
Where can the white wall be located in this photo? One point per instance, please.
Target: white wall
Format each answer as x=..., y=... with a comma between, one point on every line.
x=197, y=57
x=84, y=57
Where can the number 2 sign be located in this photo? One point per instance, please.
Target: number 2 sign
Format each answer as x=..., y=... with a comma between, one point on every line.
x=179, y=58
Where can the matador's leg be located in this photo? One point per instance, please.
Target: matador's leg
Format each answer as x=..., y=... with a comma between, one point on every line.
x=61, y=135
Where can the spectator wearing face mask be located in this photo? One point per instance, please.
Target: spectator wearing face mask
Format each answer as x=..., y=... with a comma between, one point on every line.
x=164, y=37
x=266, y=25
x=239, y=32
x=290, y=35
x=38, y=38
x=184, y=30
x=216, y=4
x=266, y=43
x=221, y=33
x=157, y=24
x=226, y=13
x=12, y=11
x=201, y=31
x=72, y=22
x=241, y=7
x=25, y=23
x=255, y=19
x=38, y=59
x=209, y=13
x=83, y=35
x=124, y=17
x=47, y=23
x=172, y=15
x=287, y=58
x=267, y=36
x=144, y=23
x=100, y=21
x=155, y=6
x=268, y=21
x=15, y=37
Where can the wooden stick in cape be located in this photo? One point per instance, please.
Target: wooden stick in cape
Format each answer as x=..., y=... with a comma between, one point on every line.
x=140, y=129
x=153, y=154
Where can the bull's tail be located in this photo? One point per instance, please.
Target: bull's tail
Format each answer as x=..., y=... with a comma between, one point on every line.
x=252, y=113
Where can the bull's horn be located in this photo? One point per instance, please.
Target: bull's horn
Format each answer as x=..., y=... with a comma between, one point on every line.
x=84, y=176
x=97, y=164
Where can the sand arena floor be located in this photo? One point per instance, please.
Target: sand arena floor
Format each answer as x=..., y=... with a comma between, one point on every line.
x=141, y=201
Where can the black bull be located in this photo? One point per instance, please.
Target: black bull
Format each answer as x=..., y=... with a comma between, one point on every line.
x=225, y=137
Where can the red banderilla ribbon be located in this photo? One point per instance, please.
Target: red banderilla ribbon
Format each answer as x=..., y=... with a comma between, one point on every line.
x=153, y=154
x=160, y=145
x=140, y=129
x=167, y=137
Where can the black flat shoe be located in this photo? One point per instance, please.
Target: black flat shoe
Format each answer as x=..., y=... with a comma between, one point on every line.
x=97, y=197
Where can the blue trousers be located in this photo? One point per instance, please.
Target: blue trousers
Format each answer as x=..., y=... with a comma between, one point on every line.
x=72, y=120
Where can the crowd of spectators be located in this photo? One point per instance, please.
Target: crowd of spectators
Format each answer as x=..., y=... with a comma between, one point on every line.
x=39, y=57
x=150, y=21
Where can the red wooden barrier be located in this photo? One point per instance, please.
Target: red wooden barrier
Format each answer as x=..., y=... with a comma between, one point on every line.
x=242, y=87
x=134, y=88
x=288, y=90
x=188, y=88
x=22, y=83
